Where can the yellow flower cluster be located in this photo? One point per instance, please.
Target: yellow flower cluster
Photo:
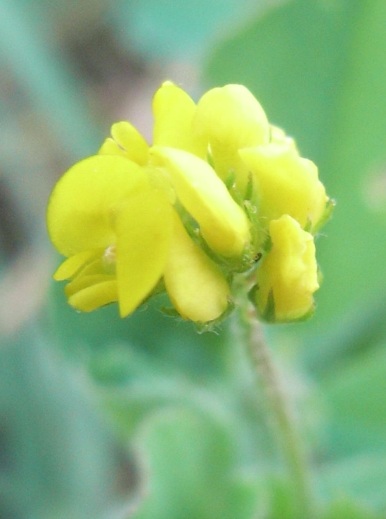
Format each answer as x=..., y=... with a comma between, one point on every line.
x=220, y=193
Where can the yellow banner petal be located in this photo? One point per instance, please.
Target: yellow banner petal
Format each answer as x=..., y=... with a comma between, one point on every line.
x=84, y=201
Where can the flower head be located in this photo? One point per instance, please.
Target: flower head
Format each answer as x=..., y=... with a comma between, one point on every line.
x=218, y=187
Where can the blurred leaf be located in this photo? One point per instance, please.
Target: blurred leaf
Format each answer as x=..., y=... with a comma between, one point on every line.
x=281, y=499
x=46, y=78
x=57, y=459
x=347, y=509
x=102, y=339
x=359, y=329
x=354, y=393
x=146, y=24
x=319, y=69
x=191, y=470
x=362, y=476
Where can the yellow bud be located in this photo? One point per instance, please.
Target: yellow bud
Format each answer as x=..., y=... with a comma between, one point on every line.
x=288, y=276
x=222, y=222
x=173, y=111
x=230, y=118
x=286, y=183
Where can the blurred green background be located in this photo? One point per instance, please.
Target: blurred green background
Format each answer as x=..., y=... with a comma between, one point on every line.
x=105, y=418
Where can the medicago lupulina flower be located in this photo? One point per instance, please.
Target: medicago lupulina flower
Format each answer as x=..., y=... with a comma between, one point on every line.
x=220, y=193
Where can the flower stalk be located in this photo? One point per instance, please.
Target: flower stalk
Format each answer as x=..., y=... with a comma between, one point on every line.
x=277, y=407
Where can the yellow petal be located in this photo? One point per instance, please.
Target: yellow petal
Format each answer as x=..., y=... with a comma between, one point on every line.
x=230, y=118
x=196, y=286
x=92, y=285
x=73, y=264
x=85, y=281
x=286, y=183
x=110, y=147
x=129, y=139
x=278, y=136
x=143, y=231
x=222, y=222
x=127, y=142
x=94, y=296
x=173, y=114
x=83, y=203
x=288, y=276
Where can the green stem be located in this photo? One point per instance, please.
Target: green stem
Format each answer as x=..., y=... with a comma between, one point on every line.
x=285, y=429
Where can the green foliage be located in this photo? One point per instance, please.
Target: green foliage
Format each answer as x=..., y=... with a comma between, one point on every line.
x=46, y=77
x=354, y=397
x=191, y=469
x=346, y=509
x=145, y=24
x=47, y=425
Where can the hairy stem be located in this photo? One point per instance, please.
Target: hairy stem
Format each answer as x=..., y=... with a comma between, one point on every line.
x=283, y=423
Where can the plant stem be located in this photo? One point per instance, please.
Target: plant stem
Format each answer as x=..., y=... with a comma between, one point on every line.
x=285, y=429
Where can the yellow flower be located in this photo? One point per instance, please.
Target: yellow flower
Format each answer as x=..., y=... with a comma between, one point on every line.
x=217, y=188
x=286, y=183
x=113, y=217
x=288, y=276
x=121, y=234
x=179, y=152
x=115, y=229
x=224, y=120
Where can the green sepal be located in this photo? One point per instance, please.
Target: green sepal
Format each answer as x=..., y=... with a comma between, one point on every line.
x=212, y=326
x=269, y=311
x=170, y=312
x=249, y=191
x=230, y=180
x=269, y=314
